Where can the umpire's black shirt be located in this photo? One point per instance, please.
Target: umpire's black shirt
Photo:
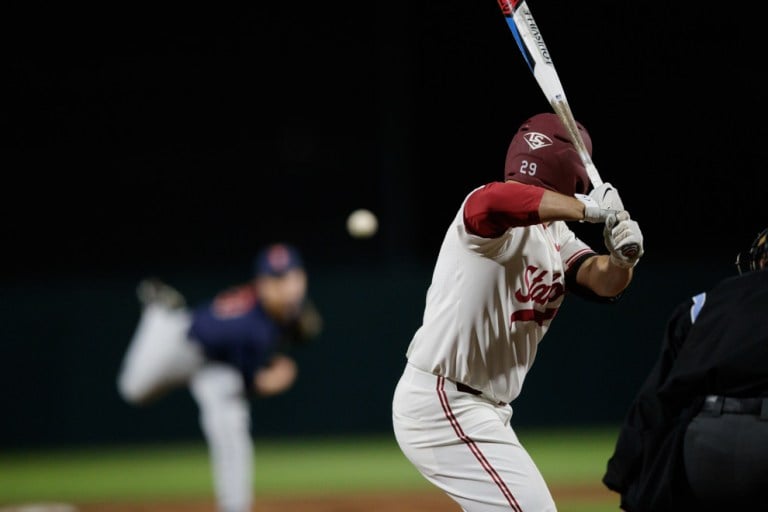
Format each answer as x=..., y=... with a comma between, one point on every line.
x=715, y=343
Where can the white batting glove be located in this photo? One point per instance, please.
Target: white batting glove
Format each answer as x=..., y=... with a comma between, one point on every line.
x=592, y=211
x=607, y=197
x=623, y=239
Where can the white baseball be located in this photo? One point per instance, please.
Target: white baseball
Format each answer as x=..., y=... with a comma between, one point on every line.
x=362, y=223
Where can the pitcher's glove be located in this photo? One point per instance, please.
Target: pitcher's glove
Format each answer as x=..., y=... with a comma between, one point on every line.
x=623, y=239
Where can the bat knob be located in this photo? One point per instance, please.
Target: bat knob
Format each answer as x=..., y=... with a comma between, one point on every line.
x=630, y=250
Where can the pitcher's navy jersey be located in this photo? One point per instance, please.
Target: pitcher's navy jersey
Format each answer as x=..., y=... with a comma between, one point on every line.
x=234, y=328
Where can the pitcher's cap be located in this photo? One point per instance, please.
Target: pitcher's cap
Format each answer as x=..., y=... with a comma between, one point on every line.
x=276, y=259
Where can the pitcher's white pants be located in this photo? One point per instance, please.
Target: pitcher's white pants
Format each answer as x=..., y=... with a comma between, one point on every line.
x=225, y=417
x=160, y=357
x=464, y=444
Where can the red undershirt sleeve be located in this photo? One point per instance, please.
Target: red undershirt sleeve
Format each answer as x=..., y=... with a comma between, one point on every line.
x=496, y=207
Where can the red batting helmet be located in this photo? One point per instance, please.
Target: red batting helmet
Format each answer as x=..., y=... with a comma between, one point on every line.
x=541, y=154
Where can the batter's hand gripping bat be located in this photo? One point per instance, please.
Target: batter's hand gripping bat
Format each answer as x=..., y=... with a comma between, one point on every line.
x=531, y=44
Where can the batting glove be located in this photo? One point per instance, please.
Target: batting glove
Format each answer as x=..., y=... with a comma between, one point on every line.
x=607, y=197
x=623, y=239
x=593, y=213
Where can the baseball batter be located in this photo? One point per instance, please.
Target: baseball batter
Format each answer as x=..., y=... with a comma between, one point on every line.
x=226, y=350
x=505, y=265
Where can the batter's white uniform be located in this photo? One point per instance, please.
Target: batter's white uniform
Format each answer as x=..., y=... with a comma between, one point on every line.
x=489, y=304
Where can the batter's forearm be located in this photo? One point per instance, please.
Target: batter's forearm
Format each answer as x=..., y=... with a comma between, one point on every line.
x=556, y=206
x=603, y=277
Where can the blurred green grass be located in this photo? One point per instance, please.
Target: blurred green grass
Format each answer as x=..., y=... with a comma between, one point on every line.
x=317, y=466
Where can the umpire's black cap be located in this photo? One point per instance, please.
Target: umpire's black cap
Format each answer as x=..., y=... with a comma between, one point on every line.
x=276, y=259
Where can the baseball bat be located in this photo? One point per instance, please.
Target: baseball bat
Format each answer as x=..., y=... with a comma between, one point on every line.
x=534, y=50
x=531, y=44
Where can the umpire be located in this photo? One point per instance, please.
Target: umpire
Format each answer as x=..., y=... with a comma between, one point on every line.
x=696, y=435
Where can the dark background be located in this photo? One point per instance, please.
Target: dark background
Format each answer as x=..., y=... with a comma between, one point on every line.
x=175, y=141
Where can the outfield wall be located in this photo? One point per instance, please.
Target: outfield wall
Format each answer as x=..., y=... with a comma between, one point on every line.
x=62, y=340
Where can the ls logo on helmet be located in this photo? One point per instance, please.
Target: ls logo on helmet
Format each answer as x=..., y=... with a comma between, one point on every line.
x=536, y=140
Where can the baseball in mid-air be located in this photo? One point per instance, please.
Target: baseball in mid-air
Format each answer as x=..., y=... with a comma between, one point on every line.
x=362, y=223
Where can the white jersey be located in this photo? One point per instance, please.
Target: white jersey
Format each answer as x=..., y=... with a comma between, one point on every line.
x=490, y=303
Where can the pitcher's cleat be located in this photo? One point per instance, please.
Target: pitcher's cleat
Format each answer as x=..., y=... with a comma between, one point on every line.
x=154, y=291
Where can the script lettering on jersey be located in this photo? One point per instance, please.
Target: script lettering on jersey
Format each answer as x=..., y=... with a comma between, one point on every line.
x=234, y=302
x=538, y=291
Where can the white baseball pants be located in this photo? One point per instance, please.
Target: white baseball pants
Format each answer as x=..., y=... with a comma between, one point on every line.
x=464, y=444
